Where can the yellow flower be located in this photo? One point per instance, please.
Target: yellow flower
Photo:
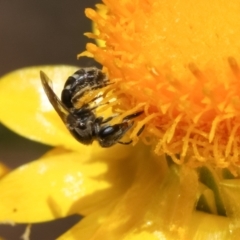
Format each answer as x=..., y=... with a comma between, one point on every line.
x=176, y=60
x=181, y=58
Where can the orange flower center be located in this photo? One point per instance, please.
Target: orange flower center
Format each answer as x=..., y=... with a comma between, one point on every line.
x=177, y=60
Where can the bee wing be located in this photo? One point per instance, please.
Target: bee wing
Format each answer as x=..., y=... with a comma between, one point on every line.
x=60, y=108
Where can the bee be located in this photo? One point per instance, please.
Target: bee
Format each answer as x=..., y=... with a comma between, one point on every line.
x=82, y=122
x=82, y=81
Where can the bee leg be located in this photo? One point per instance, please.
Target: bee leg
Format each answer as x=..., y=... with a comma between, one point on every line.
x=131, y=116
x=125, y=143
x=105, y=84
x=138, y=134
x=124, y=119
x=140, y=130
x=110, y=118
x=100, y=120
x=95, y=98
x=127, y=118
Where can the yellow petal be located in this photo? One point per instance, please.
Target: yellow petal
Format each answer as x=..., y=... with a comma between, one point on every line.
x=24, y=106
x=202, y=227
x=144, y=235
x=46, y=189
x=208, y=226
x=231, y=194
x=156, y=202
x=3, y=169
x=87, y=227
x=65, y=183
x=158, y=205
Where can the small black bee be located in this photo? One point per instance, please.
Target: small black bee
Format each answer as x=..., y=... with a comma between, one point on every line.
x=82, y=81
x=82, y=122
